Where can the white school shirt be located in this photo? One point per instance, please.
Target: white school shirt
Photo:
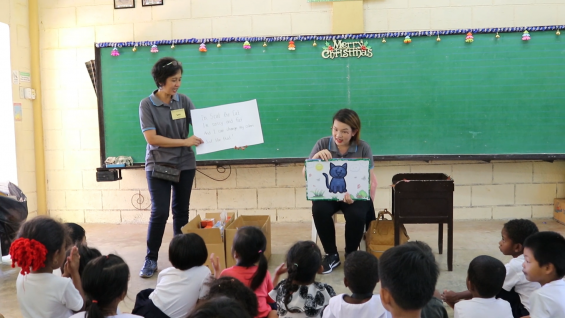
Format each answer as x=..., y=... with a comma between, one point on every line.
x=482, y=308
x=516, y=279
x=371, y=309
x=548, y=301
x=82, y=314
x=178, y=291
x=47, y=296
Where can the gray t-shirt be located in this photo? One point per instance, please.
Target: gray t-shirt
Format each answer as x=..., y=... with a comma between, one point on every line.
x=356, y=150
x=154, y=114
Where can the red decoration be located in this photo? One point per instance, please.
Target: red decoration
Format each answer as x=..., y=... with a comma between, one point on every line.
x=30, y=255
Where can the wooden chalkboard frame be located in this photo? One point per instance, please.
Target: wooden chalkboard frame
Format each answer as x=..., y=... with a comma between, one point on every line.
x=486, y=157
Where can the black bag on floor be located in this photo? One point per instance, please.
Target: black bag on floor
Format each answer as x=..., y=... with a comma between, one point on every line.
x=13, y=212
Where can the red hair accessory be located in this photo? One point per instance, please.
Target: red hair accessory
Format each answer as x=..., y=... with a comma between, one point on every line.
x=30, y=255
x=94, y=301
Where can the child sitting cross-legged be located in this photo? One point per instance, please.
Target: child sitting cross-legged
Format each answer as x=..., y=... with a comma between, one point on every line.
x=361, y=277
x=485, y=277
x=545, y=263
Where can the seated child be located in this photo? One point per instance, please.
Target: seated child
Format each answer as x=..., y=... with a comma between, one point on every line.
x=516, y=289
x=361, y=272
x=179, y=287
x=39, y=249
x=299, y=295
x=86, y=255
x=408, y=276
x=233, y=288
x=105, y=282
x=248, y=247
x=219, y=307
x=77, y=234
x=485, y=277
x=544, y=253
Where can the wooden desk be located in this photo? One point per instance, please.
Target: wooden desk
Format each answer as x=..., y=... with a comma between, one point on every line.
x=423, y=198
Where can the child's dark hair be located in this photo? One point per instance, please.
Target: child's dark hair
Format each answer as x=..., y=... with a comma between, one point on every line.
x=104, y=280
x=76, y=232
x=362, y=272
x=219, y=307
x=233, y=288
x=519, y=229
x=187, y=251
x=250, y=244
x=165, y=68
x=303, y=260
x=86, y=255
x=38, y=240
x=487, y=275
x=409, y=272
x=548, y=247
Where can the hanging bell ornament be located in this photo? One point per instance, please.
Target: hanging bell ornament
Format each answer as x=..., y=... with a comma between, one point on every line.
x=497, y=35
x=265, y=43
x=173, y=46
x=134, y=48
x=558, y=32
x=438, y=39
x=219, y=44
x=314, y=44
x=384, y=40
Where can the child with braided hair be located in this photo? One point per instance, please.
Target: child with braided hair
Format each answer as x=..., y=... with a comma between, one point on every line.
x=299, y=295
x=39, y=249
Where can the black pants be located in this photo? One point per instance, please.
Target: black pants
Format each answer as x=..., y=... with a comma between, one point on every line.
x=518, y=309
x=160, y=191
x=358, y=216
x=145, y=307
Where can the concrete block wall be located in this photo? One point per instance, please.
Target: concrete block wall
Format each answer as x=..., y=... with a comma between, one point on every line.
x=69, y=28
x=15, y=14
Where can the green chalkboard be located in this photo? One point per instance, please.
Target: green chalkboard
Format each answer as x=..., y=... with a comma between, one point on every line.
x=491, y=97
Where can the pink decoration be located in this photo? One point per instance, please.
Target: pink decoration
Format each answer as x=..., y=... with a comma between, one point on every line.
x=202, y=48
x=154, y=49
x=115, y=52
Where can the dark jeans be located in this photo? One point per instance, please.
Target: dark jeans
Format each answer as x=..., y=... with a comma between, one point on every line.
x=160, y=191
x=512, y=297
x=145, y=307
x=358, y=216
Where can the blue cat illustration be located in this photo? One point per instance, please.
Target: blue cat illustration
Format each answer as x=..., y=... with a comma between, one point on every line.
x=338, y=173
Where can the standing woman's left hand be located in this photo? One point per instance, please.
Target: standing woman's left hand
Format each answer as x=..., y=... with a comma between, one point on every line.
x=347, y=198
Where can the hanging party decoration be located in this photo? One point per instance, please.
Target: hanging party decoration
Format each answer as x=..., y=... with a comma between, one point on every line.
x=438, y=39
x=526, y=36
x=346, y=49
x=134, y=47
x=314, y=44
x=497, y=35
x=469, y=38
x=246, y=45
x=115, y=52
x=173, y=45
x=384, y=40
x=219, y=44
x=407, y=39
x=154, y=49
x=557, y=33
x=202, y=47
x=291, y=46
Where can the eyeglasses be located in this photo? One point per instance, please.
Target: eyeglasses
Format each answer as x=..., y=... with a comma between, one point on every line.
x=175, y=63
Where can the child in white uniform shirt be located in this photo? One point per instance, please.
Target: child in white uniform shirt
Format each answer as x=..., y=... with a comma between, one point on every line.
x=516, y=289
x=485, y=277
x=39, y=249
x=361, y=272
x=180, y=287
x=544, y=253
x=105, y=282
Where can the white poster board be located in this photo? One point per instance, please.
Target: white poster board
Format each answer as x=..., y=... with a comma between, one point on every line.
x=330, y=180
x=227, y=126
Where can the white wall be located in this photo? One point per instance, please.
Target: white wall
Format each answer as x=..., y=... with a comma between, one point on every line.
x=70, y=27
x=8, y=166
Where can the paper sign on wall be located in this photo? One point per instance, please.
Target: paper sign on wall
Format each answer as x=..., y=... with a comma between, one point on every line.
x=227, y=126
x=25, y=77
x=330, y=180
x=18, y=114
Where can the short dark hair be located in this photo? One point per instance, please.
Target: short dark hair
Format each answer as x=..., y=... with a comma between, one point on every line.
x=76, y=232
x=233, y=288
x=303, y=260
x=165, y=68
x=487, y=275
x=362, y=272
x=409, y=272
x=219, y=307
x=187, y=251
x=86, y=255
x=548, y=247
x=519, y=229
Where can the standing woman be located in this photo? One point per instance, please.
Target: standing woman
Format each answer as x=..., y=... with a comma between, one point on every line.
x=164, y=117
x=344, y=142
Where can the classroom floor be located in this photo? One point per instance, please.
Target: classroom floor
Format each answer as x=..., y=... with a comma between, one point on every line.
x=471, y=238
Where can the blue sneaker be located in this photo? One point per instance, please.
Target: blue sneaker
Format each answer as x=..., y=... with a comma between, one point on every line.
x=149, y=268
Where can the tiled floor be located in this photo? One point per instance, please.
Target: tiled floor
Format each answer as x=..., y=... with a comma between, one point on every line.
x=471, y=238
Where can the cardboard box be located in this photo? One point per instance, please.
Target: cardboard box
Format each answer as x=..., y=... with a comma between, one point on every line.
x=261, y=221
x=212, y=237
x=559, y=210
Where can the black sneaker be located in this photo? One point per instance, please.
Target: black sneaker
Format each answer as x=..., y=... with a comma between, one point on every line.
x=149, y=268
x=330, y=262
